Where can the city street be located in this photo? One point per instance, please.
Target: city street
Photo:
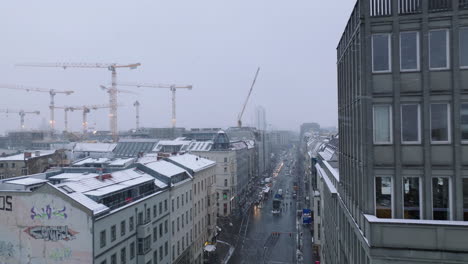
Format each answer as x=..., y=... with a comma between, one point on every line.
x=270, y=238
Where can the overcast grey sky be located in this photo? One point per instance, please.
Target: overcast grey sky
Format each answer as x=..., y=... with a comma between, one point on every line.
x=214, y=45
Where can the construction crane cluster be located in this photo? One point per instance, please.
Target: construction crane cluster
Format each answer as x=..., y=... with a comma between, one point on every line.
x=112, y=91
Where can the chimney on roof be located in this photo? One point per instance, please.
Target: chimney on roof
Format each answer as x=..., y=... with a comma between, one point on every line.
x=37, y=153
x=27, y=155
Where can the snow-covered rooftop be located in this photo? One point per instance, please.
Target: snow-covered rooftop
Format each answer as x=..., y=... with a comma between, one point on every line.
x=91, y=161
x=95, y=147
x=20, y=157
x=193, y=162
x=26, y=181
x=165, y=168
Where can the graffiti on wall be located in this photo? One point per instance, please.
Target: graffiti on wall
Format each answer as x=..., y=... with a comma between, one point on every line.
x=51, y=233
x=48, y=212
x=7, y=250
x=5, y=203
x=60, y=254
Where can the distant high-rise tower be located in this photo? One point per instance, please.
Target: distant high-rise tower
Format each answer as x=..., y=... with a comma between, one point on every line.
x=260, y=118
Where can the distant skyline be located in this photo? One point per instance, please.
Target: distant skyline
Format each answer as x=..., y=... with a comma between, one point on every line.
x=215, y=46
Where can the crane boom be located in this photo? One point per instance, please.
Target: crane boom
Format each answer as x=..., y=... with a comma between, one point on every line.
x=21, y=113
x=112, y=91
x=172, y=87
x=239, y=118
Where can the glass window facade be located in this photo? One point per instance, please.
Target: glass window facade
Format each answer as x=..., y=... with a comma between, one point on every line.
x=409, y=51
x=464, y=47
x=382, y=124
x=465, y=199
x=411, y=198
x=381, y=53
x=410, y=132
x=464, y=121
x=383, y=197
x=440, y=122
x=440, y=198
x=438, y=49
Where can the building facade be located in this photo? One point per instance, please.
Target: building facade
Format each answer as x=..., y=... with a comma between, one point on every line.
x=30, y=162
x=401, y=193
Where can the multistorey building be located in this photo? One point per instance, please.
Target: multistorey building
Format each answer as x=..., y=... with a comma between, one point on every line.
x=203, y=172
x=403, y=105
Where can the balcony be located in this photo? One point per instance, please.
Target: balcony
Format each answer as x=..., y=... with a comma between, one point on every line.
x=144, y=229
x=427, y=235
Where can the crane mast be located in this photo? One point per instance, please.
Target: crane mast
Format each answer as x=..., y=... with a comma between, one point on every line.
x=85, y=111
x=112, y=91
x=239, y=118
x=137, y=109
x=172, y=88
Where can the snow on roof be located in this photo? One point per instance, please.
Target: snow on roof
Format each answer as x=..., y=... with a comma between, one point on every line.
x=176, y=142
x=165, y=168
x=95, y=147
x=84, y=200
x=20, y=157
x=238, y=145
x=160, y=184
x=26, y=181
x=200, y=146
x=147, y=158
x=121, y=162
x=324, y=175
x=91, y=160
x=193, y=162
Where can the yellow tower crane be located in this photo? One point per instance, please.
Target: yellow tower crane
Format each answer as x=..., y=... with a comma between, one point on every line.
x=112, y=92
x=51, y=92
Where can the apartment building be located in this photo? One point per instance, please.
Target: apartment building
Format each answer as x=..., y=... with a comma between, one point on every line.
x=204, y=207
x=30, y=162
x=400, y=195
x=90, y=216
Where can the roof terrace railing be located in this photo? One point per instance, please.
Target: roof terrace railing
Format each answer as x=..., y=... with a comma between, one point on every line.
x=380, y=8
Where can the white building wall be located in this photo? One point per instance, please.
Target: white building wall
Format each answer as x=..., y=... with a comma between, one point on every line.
x=44, y=227
x=181, y=220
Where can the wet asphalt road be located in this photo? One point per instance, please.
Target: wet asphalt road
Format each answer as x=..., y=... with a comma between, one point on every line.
x=260, y=245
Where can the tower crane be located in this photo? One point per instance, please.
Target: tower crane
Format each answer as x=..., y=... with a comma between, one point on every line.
x=172, y=87
x=51, y=92
x=137, y=108
x=86, y=109
x=239, y=117
x=112, y=91
x=21, y=113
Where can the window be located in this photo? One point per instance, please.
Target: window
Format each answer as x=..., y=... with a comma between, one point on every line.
x=411, y=198
x=161, y=252
x=161, y=229
x=13, y=165
x=183, y=221
x=130, y=223
x=173, y=252
x=178, y=202
x=178, y=224
x=165, y=227
x=440, y=198
x=464, y=121
x=182, y=199
x=113, y=233
x=166, y=248
x=186, y=197
x=440, y=127
x=160, y=208
x=155, y=233
x=438, y=49
x=132, y=250
x=382, y=124
x=148, y=215
x=190, y=195
x=113, y=259
x=464, y=47
x=178, y=248
x=465, y=199
x=173, y=228
x=104, y=262
x=318, y=231
x=383, y=197
x=172, y=205
x=225, y=182
x=409, y=51
x=122, y=228
x=144, y=245
x=410, y=123
x=123, y=255
x=318, y=208
x=155, y=257
x=381, y=53
x=155, y=210
x=165, y=205
x=102, y=238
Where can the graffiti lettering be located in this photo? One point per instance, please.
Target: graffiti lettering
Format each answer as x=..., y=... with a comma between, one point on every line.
x=5, y=203
x=7, y=250
x=51, y=233
x=48, y=212
x=60, y=254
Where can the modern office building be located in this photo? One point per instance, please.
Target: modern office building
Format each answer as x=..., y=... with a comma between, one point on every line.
x=260, y=118
x=402, y=188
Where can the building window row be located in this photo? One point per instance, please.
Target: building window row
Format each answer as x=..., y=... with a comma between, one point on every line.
x=410, y=54
x=440, y=125
x=412, y=197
